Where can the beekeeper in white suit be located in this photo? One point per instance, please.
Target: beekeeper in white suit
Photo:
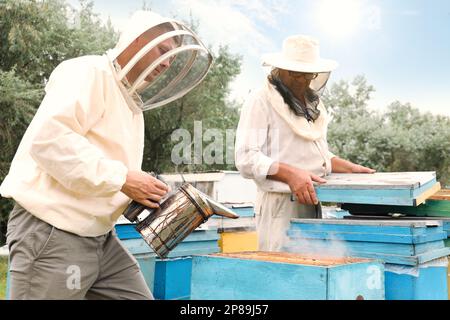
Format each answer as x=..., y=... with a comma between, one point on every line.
x=281, y=140
x=79, y=163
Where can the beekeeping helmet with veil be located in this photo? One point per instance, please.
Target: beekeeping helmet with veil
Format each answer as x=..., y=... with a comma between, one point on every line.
x=157, y=60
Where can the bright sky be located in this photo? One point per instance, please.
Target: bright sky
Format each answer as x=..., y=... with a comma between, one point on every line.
x=401, y=46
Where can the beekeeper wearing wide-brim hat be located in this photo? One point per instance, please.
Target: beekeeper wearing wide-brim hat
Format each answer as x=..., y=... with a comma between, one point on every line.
x=79, y=163
x=281, y=140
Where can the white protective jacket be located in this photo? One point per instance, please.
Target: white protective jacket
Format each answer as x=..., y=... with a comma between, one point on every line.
x=75, y=155
x=269, y=132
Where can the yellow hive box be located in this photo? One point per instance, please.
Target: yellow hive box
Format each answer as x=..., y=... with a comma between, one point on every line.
x=238, y=241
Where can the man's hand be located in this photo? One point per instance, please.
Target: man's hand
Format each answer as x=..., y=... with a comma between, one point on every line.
x=301, y=184
x=144, y=188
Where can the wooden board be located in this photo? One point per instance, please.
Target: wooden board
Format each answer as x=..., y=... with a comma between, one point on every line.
x=370, y=237
x=408, y=260
x=286, y=257
x=308, y=245
x=445, y=224
x=426, y=194
x=379, y=180
x=411, y=224
x=443, y=194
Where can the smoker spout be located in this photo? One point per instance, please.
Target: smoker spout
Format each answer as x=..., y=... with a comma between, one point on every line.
x=221, y=210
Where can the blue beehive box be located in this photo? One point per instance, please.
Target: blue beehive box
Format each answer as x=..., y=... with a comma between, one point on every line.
x=402, y=245
x=284, y=276
x=172, y=275
x=173, y=278
x=381, y=188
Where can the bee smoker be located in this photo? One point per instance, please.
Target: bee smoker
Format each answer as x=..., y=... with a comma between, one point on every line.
x=179, y=213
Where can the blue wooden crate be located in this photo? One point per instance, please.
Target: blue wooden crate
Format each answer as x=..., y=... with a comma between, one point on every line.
x=247, y=211
x=173, y=278
x=426, y=281
x=127, y=231
x=284, y=276
x=445, y=221
x=404, y=244
x=397, y=242
x=430, y=283
x=393, y=188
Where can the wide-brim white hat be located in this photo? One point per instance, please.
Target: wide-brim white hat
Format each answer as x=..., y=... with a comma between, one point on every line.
x=300, y=53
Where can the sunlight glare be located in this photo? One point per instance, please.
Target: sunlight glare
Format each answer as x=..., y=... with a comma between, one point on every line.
x=339, y=18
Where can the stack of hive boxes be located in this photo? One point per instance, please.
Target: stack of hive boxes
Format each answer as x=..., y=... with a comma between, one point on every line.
x=413, y=251
x=436, y=207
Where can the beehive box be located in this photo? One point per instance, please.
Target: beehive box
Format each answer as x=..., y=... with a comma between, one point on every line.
x=427, y=278
x=285, y=276
x=427, y=281
x=173, y=278
x=398, y=242
x=412, y=244
x=445, y=221
x=383, y=188
x=238, y=240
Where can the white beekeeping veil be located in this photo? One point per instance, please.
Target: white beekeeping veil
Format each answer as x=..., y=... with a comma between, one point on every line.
x=158, y=60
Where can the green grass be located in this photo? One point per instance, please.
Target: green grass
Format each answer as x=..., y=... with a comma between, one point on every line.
x=3, y=270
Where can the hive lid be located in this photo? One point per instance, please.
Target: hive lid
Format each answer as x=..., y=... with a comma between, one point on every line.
x=379, y=180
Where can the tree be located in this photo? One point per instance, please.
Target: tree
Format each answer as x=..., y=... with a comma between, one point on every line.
x=38, y=35
x=402, y=139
